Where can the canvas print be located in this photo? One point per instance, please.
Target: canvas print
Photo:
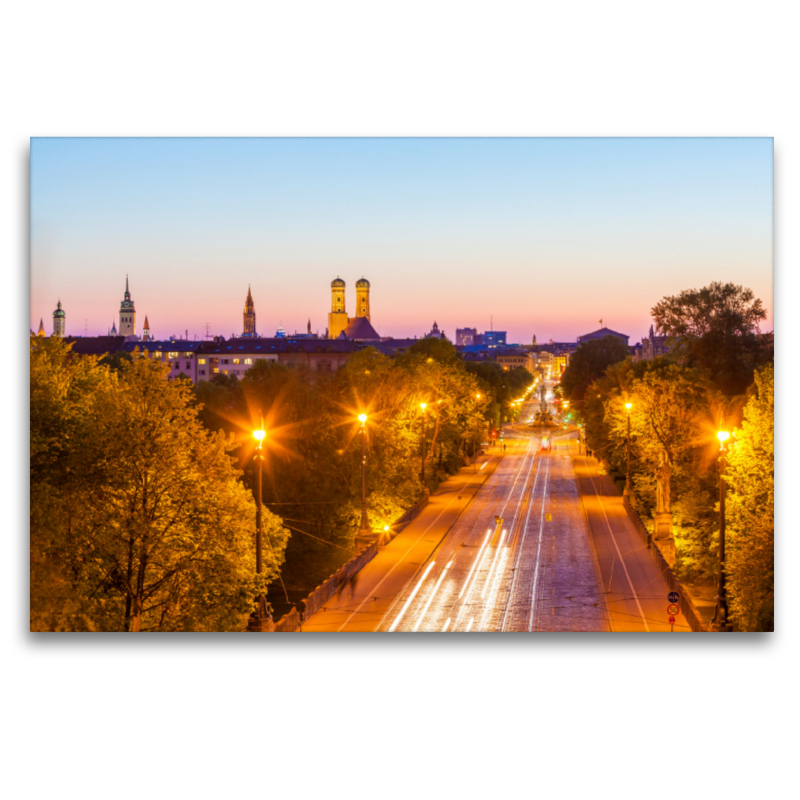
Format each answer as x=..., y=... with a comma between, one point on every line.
x=401, y=385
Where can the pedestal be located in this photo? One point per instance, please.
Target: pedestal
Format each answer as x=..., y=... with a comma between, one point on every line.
x=662, y=536
x=261, y=620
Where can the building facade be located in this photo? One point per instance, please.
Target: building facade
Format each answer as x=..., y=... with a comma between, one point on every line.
x=599, y=334
x=337, y=319
x=465, y=337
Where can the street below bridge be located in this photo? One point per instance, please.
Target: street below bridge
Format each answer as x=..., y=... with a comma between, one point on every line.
x=530, y=539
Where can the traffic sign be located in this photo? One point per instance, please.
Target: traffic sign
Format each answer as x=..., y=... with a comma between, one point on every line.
x=673, y=610
x=673, y=597
x=672, y=620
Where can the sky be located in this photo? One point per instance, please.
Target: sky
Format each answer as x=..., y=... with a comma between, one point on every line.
x=540, y=237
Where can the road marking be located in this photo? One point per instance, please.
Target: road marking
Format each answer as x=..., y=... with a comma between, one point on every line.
x=411, y=597
x=619, y=554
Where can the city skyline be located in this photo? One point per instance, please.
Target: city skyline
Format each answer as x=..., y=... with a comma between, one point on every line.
x=535, y=235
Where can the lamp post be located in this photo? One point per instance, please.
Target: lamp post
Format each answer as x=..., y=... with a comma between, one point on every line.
x=364, y=529
x=627, y=493
x=423, y=406
x=720, y=622
x=260, y=620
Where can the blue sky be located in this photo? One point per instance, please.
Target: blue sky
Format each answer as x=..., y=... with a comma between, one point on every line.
x=544, y=235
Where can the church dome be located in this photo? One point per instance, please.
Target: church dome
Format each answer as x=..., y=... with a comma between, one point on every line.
x=362, y=283
x=59, y=312
x=337, y=282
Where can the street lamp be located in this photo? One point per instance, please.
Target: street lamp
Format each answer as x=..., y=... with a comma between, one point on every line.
x=364, y=529
x=627, y=493
x=423, y=406
x=260, y=620
x=720, y=622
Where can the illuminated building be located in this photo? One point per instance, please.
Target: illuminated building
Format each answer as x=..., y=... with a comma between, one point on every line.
x=249, y=316
x=127, y=314
x=59, y=321
x=358, y=327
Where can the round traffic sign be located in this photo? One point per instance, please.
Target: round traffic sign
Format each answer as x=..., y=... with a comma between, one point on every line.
x=673, y=597
x=672, y=620
x=673, y=610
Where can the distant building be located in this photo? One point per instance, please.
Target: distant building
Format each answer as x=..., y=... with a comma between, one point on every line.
x=494, y=339
x=41, y=331
x=339, y=322
x=146, y=330
x=127, y=314
x=435, y=333
x=249, y=317
x=59, y=321
x=511, y=359
x=653, y=346
x=599, y=334
x=466, y=336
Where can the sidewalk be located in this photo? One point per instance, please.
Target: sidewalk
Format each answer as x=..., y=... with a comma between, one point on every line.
x=635, y=590
x=364, y=601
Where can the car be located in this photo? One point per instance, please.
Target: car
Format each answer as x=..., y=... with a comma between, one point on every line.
x=546, y=443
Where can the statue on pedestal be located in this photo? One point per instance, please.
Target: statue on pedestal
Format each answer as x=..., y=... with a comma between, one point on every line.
x=662, y=484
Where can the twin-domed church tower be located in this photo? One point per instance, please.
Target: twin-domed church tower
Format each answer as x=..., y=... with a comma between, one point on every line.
x=338, y=319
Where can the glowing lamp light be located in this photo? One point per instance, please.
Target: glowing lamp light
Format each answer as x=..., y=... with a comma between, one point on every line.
x=362, y=418
x=259, y=435
x=386, y=528
x=423, y=406
x=628, y=406
x=723, y=436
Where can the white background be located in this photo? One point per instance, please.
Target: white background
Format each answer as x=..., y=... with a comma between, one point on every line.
x=570, y=716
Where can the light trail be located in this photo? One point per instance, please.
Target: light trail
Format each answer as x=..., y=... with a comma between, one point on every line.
x=411, y=597
x=489, y=605
x=446, y=625
x=433, y=593
x=469, y=624
x=466, y=583
x=494, y=563
x=538, y=548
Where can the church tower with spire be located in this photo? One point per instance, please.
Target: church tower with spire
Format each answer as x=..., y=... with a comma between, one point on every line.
x=127, y=314
x=146, y=330
x=249, y=331
x=41, y=331
x=59, y=321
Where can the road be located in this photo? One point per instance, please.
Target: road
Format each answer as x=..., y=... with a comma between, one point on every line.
x=558, y=561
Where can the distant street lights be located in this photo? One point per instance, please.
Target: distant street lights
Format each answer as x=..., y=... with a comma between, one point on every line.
x=628, y=492
x=260, y=620
x=720, y=622
x=364, y=528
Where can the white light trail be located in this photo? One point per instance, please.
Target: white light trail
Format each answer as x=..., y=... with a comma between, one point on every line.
x=411, y=597
x=494, y=563
x=446, y=625
x=469, y=624
x=466, y=583
x=433, y=593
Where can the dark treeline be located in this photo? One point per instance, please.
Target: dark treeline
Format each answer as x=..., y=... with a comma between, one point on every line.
x=717, y=375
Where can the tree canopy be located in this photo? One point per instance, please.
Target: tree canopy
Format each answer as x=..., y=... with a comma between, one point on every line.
x=588, y=363
x=139, y=520
x=716, y=329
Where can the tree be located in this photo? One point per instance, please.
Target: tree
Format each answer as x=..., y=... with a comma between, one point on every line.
x=750, y=514
x=716, y=330
x=588, y=363
x=155, y=530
